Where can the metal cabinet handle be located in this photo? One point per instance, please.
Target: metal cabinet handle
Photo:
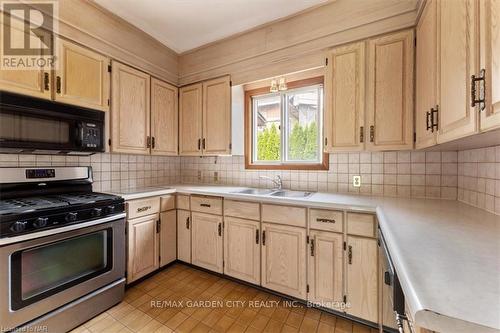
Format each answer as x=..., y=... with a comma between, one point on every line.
x=322, y=220
x=46, y=81
x=203, y=143
x=372, y=133
x=205, y=205
x=434, y=118
x=199, y=144
x=361, y=134
x=153, y=142
x=158, y=226
x=58, y=84
x=349, y=254
x=482, y=93
x=187, y=222
x=263, y=237
x=219, y=227
x=428, y=120
x=312, y=247
x=257, y=236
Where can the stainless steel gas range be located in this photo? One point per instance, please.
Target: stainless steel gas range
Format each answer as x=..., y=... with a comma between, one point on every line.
x=62, y=248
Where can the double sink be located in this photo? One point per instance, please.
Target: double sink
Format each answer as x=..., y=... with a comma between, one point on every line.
x=275, y=193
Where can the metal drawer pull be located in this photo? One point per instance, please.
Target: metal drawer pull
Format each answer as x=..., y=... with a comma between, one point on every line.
x=143, y=209
x=187, y=222
x=312, y=247
x=205, y=205
x=257, y=236
x=349, y=254
x=220, y=229
x=263, y=237
x=319, y=219
x=158, y=226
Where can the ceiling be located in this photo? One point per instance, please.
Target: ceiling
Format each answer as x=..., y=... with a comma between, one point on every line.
x=183, y=25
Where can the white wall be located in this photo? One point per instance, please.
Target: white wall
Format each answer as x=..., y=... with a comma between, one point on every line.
x=237, y=114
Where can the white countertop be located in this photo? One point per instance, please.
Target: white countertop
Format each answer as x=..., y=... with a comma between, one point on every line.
x=446, y=253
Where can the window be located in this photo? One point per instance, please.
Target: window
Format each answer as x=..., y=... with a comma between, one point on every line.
x=284, y=129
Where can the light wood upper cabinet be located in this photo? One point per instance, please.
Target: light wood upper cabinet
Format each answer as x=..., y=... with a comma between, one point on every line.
x=207, y=241
x=164, y=118
x=190, y=119
x=489, y=23
x=284, y=259
x=457, y=41
x=168, y=242
x=143, y=241
x=130, y=116
x=242, y=249
x=184, y=235
x=217, y=116
x=325, y=268
x=36, y=83
x=426, y=104
x=362, y=277
x=82, y=77
x=390, y=92
x=345, y=91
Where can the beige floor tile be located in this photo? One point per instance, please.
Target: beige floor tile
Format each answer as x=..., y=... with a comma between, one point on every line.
x=223, y=324
x=236, y=328
x=176, y=320
x=260, y=322
x=213, y=317
x=294, y=319
x=136, y=320
x=273, y=326
x=356, y=328
x=201, y=328
x=308, y=325
x=289, y=329
x=343, y=326
x=187, y=325
x=246, y=317
x=325, y=328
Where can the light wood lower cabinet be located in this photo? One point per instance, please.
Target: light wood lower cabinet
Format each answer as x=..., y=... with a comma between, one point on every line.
x=325, y=269
x=284, y=259
x=184, y=235
x=143, y=239
x=168, y=242
x=207, y=241
x=242, y=249
x=362, y=277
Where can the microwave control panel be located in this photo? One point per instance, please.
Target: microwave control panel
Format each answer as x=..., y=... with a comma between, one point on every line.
x=90, y=136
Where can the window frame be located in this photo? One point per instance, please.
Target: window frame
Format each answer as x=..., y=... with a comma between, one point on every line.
x=250, y=136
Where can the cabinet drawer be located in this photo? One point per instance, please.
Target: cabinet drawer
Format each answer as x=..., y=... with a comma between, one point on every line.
x=203, y=204
x=288, y=215
x=167, y=202
x=329, y=220
x=242, y=209
x=143, y=207
x=182, y=201
x=361, y=224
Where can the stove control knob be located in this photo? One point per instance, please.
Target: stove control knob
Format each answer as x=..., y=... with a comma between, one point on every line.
x=18, y=226
x=96, y=212
x=40, y=222
x=71, y=217
x=110, y=209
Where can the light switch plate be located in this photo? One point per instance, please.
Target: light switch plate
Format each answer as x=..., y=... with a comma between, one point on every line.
x=356, y=181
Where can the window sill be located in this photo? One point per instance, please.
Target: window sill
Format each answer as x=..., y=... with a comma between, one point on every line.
x=317, y=166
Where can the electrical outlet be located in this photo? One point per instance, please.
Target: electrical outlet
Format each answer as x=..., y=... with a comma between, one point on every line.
x=199, y=174
x=356, y=181
x=216, y=176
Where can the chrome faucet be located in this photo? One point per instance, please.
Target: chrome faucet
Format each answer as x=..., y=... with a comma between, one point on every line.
x=277, y=182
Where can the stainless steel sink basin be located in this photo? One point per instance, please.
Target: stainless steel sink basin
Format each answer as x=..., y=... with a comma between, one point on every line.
x=255, y=191
x=291, y=194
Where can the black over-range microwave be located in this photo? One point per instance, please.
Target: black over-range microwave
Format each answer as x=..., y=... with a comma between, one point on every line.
x=33, y=125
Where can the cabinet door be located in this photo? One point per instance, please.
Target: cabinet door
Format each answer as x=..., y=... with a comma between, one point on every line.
x=164, y=118
x=387, y=318
x=362, y=278
x=168, y=242
x=207, y=241
x=426, y=72
x=184, y=235
x=143, y=241
x=457, y=62
x=82, y=77
x=390, y=92
x=345, y=107
x=190, y=124
x=242, y=249
x=489, y=22
x=284, y=259
x=36, y=83
x=326, y=268
x=130, y=110
x=217, y=116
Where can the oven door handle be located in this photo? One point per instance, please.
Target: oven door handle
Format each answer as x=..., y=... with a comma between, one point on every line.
x=55, y=231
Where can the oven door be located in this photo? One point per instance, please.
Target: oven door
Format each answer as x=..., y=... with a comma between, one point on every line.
x=40, y=275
